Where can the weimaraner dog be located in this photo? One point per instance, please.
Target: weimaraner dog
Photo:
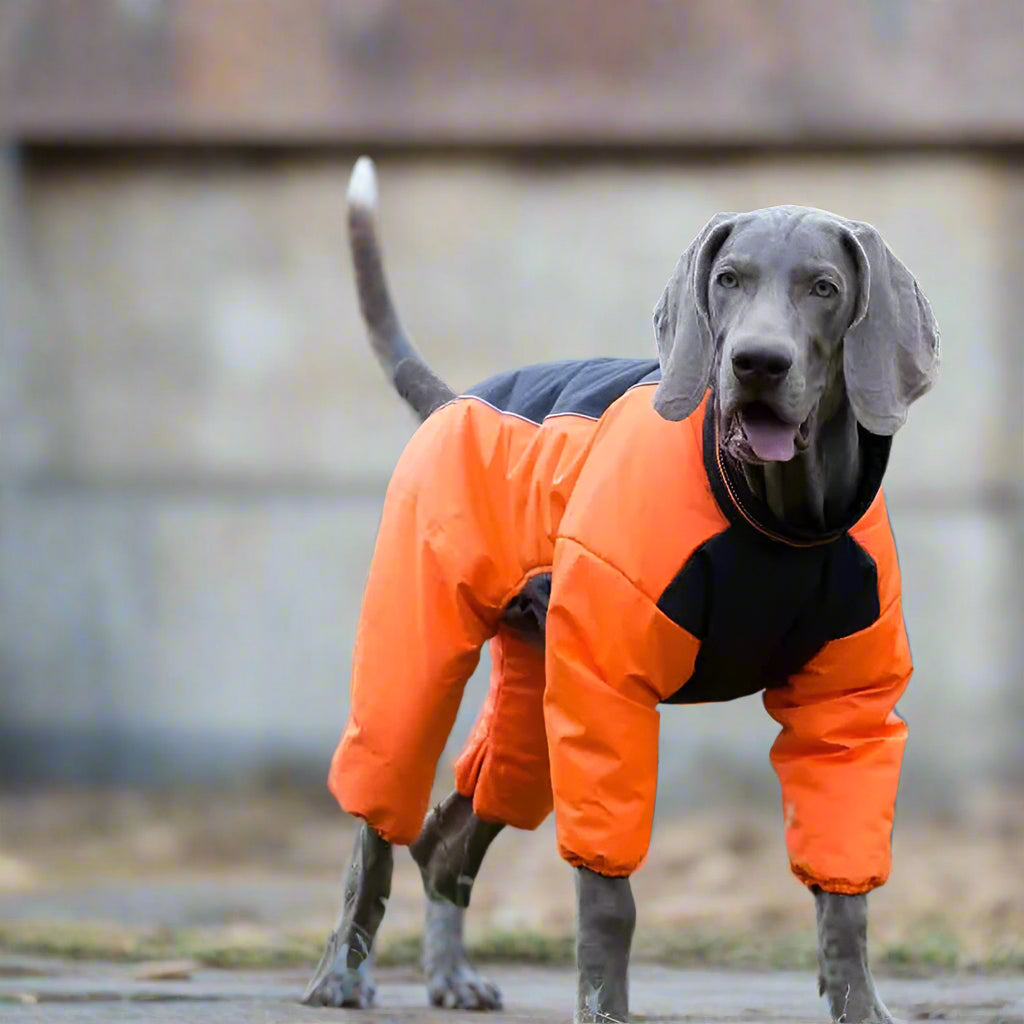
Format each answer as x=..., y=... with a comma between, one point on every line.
x=742, y=318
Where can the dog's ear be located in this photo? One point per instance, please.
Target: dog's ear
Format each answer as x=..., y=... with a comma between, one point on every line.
x=686, y=348
x=891, y=349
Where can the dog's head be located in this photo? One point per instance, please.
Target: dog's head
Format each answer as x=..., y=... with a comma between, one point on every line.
x=787, y=312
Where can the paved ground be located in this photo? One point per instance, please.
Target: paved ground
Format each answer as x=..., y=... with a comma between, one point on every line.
x=195, y=873
x=63, y=992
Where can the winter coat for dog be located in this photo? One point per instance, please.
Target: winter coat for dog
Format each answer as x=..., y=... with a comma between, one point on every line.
x=658, y=577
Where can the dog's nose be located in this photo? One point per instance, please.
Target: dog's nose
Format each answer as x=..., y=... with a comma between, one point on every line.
x=761, y=364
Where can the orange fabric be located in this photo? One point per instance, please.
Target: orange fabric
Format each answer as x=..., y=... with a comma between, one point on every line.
x=504, y=765
x=445, y=564
x=479, y=502
x=642, y=501
x=839, y=753
x=611, y=655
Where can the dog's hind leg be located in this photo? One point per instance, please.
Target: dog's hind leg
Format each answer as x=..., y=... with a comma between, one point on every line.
x=449, y=852
x=452, y=981
x=342, y=977
x=502, y=777
x=451, y=848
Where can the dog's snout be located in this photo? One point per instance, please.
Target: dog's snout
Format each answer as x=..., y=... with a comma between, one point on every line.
x=761, y=364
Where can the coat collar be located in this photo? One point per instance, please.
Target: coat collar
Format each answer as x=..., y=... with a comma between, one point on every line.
x=743, y=508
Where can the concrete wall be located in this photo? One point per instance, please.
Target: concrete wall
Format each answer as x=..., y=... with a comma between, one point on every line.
x=591, y=72
x=196, y=441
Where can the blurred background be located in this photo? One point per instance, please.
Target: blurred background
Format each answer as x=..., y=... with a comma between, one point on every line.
x=195, y=440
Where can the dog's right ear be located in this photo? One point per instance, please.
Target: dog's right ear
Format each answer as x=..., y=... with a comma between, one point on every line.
x=682, y=329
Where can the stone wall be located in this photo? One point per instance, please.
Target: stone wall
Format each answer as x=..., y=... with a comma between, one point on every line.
x=195, y=439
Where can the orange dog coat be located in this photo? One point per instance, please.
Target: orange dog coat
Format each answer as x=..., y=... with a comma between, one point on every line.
x=659, y=577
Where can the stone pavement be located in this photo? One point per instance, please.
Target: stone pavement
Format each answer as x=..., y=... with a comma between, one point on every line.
x=34, y=989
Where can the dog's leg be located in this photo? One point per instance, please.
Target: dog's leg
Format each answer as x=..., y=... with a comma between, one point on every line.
x=342, y=977
x=605, y=918
x=451, y=847
x=844, y=977
x=449, y=851
x=452, y=981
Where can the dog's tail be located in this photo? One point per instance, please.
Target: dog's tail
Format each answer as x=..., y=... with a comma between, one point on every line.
x=413, y=379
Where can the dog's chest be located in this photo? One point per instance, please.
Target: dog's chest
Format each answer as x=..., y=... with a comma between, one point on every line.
x=762, y=609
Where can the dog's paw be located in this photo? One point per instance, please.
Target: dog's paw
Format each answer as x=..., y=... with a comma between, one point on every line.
x=854, y=1001
x=354, y=989
x=460, y=987
x=334, y=983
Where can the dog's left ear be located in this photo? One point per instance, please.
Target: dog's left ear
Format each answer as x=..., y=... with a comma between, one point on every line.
x=891, y=349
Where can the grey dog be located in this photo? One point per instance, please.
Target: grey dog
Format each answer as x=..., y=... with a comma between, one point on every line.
x=756, y=332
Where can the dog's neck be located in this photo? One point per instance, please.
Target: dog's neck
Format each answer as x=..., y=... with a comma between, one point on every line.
x=818, y=488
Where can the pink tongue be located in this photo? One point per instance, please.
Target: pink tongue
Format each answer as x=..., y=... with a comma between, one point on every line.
x=771, y=439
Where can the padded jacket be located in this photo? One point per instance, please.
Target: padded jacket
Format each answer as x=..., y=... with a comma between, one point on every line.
x=661, y=578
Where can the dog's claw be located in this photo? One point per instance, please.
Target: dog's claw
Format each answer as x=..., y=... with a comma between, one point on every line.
x=462, y=988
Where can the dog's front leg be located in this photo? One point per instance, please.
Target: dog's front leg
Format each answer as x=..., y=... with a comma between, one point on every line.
x=844, y=977
x=342, y=977
x=605, y=918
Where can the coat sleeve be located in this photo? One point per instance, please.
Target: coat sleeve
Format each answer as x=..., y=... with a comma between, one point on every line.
x=839, y=754
x=611, y=656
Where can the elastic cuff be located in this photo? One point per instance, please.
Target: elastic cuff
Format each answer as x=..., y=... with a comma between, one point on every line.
x=600, y=866
x=843, y=886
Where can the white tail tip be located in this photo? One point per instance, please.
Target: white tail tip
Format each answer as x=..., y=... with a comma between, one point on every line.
x=362, y=185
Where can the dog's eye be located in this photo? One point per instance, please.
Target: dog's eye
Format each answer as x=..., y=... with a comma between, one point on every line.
x=727, y=279
x=825, y=289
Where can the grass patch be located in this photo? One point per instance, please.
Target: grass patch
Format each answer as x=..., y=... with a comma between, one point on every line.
x=525, y=947
x=703, y=947
x=934, y=953
x=498, y=947
x=71, y=942
x=289, y=951
x=258, y=949
x=928, y=952
x=101, y=942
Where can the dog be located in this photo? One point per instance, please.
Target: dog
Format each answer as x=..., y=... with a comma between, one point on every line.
x=627, y=533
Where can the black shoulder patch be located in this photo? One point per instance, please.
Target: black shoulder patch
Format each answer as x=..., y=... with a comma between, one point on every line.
x=686, y=600
x=762, y=610
x=584, y=387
